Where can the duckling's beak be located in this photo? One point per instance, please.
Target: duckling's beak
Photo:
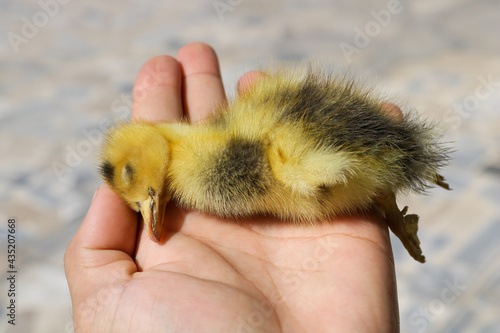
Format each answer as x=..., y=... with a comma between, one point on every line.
x=152, y=210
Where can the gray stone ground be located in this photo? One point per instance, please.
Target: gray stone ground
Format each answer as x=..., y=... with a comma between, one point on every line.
x=66, y=67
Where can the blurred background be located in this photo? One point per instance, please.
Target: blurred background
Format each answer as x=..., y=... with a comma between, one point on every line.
x=67, y=70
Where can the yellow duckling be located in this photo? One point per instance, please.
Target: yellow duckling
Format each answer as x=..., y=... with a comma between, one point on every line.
x=299, y=146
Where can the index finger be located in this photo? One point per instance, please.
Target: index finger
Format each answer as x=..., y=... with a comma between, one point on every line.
x=107, y=235
x=157, y=91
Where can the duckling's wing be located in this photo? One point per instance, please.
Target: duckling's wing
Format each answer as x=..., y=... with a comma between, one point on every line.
x=340, y=115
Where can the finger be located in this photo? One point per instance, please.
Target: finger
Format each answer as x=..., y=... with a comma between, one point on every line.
x=248, y=80
x=157, y=90
x=392, y=110
x=109, y=225
x=202, y=83
x=106, y=237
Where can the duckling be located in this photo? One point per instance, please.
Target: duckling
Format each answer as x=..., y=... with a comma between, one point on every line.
x=301, y=146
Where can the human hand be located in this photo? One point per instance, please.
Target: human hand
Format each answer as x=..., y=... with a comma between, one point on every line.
x=212, y=275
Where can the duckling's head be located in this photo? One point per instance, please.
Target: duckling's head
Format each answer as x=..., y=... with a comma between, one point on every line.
x=134, y=163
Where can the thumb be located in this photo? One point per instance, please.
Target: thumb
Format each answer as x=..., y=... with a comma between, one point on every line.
x=104, y=243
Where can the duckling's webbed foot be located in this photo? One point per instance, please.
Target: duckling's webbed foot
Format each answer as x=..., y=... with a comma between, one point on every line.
x=441, y=181
x=404, y=226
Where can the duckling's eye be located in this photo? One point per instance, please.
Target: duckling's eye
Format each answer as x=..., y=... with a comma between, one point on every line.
x=128, y=174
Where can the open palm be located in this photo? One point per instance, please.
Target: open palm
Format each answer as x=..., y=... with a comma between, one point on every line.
x=212, y=275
